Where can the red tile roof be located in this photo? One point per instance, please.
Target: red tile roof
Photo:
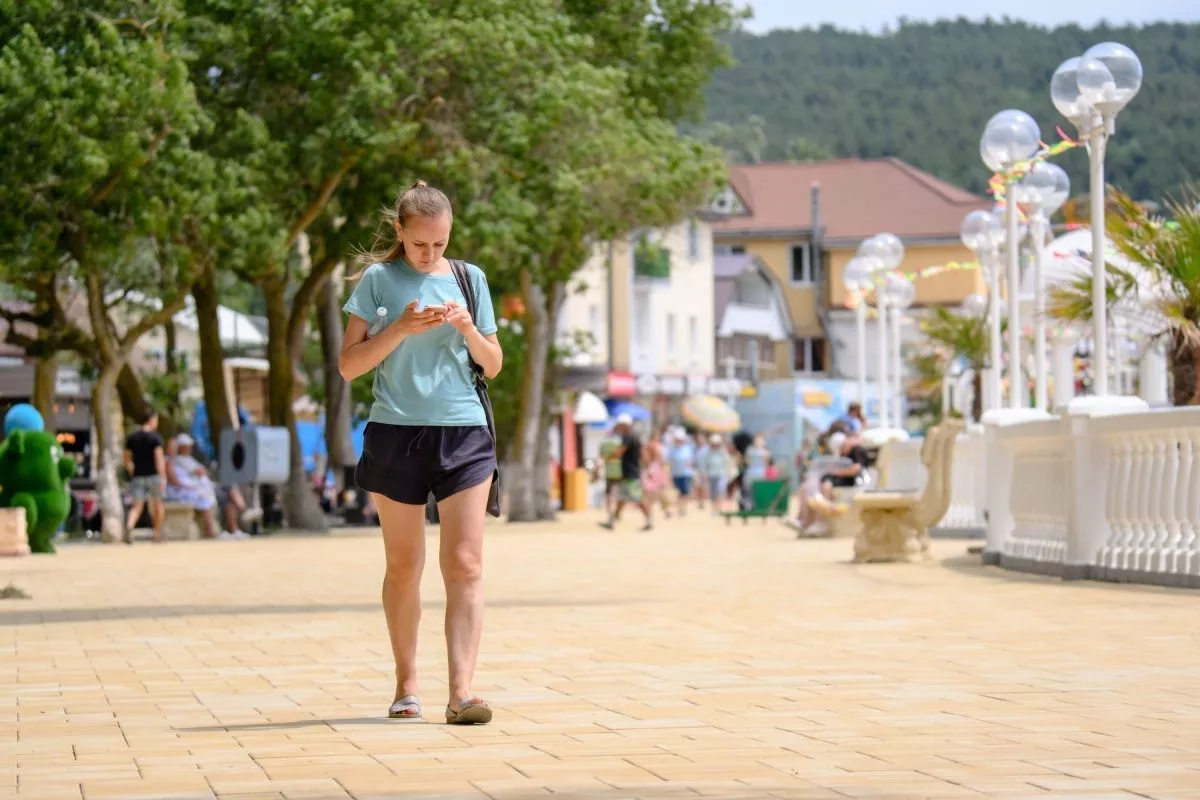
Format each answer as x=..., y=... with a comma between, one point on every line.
x=859, y=198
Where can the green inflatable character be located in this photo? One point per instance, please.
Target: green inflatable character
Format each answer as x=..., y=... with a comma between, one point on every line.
x=33, y=476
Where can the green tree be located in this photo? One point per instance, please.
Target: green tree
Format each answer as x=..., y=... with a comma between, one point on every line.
x=591, y=155
x=97, y=171
x=302, y=94
x=801, y=149
x=1166, y=251
x=923, y=91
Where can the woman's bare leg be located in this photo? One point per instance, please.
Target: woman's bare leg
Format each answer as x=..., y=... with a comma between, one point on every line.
x=461, y=557
x=404, y=548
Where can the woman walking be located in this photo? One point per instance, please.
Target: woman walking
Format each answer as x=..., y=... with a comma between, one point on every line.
x=409, y=321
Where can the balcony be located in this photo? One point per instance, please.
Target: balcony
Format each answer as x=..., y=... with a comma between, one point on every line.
x=651, y=263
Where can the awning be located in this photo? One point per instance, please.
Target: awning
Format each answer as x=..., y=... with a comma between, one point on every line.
x=589, y=409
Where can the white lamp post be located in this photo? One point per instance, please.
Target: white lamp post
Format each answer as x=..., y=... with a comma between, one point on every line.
x=856, y=277
x=1042, y=191
x=899, y=292
x=983, y=232
x=1011, y=137
x=883, y=252
x=1090, y=91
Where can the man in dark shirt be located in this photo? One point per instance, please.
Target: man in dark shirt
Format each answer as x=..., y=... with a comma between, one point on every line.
x=147, y=468
x=852, y=449
x=630, y=488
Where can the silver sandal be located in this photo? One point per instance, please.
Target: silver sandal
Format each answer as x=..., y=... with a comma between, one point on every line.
x=469, y=711
x=407, y=708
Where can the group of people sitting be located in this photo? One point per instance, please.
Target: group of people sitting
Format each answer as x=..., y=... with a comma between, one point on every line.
x=169, y=472
x=838, y=461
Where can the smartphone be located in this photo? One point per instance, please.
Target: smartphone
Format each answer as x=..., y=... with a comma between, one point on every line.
x=441, y=309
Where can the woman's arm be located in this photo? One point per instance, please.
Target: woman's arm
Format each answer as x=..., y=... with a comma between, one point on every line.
x=359, y=354
x=486, y=351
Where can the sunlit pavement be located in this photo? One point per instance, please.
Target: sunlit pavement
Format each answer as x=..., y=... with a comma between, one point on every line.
x=695, y=660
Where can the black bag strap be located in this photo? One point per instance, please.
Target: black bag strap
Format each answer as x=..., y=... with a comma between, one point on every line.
x=463, y=277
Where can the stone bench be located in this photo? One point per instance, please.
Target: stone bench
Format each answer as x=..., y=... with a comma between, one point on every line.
x=895, y=524
x=179, y=522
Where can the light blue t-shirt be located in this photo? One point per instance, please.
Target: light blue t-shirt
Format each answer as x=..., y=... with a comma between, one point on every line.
x=427, y=379
x=682, y=458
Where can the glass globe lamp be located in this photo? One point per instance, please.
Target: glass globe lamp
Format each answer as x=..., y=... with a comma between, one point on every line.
x=898, y=291
x=880, y=249
x=1012, y=136
x=975, y=304
x=1044, y=188
x=1109, y=76
x=973, y=231
x=894, y=248
x=1064, y=93
x=856, y=276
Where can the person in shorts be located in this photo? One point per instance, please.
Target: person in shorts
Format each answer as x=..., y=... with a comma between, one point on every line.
x=681, y=456
x=630, y=488
x=427, y=433
x=146, y=464
x=610, y=457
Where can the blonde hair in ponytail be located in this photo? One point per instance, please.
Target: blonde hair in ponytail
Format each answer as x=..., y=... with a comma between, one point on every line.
x=418, y=200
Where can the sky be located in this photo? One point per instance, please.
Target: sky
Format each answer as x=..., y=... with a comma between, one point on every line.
x=874, y=14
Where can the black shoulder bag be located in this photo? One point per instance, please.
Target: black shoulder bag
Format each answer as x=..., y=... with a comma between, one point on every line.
x=481, y=387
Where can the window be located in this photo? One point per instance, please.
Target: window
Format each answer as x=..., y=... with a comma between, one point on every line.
x=808, y=354
x=670, y=335
x=801, y=257
x=693, y=239
x=694, y=338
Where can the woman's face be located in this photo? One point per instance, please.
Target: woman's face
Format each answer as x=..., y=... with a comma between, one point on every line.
x=425, y=240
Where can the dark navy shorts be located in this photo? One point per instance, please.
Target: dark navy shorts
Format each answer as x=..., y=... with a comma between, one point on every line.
x=406, y=463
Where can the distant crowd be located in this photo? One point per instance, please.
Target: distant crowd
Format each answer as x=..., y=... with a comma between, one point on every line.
x=673, y=468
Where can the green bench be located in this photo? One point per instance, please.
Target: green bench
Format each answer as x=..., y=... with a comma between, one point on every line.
x=769, y=498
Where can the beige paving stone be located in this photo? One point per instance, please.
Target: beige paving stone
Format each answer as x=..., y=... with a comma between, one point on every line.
x=696, y=661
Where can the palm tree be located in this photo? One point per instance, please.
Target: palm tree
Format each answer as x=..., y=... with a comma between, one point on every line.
x=962, y=335
x=1168, y=253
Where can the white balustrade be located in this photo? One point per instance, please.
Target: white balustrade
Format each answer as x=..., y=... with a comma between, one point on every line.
x=1100, y=493
x=1038, y=499
x=968, y=482
x=1153, y=506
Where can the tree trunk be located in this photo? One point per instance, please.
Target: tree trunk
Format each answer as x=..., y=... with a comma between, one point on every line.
x=1185, y=371
x=132, y=397
x=212, y=357
x=45, y=384
x=337, y=390
x=543, y=501
x=521, y=472
x=107, y=420
x=300, y=504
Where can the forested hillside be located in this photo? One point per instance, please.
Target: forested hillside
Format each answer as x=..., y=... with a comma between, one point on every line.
x=924, y=92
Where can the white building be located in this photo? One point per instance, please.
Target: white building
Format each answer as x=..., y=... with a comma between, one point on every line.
x=642, y=314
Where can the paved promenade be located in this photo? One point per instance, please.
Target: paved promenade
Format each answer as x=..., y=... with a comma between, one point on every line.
x=698, y=660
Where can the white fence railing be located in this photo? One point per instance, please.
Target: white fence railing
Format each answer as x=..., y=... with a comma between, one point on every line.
x=1038, y=505
x=1112, y=496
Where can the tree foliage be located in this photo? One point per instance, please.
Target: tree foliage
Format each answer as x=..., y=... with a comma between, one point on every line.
x=924, y=91
x=1160, y=281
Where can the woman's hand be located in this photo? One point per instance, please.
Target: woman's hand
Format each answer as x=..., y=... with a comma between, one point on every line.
x=413, y=321
x=459, y=317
